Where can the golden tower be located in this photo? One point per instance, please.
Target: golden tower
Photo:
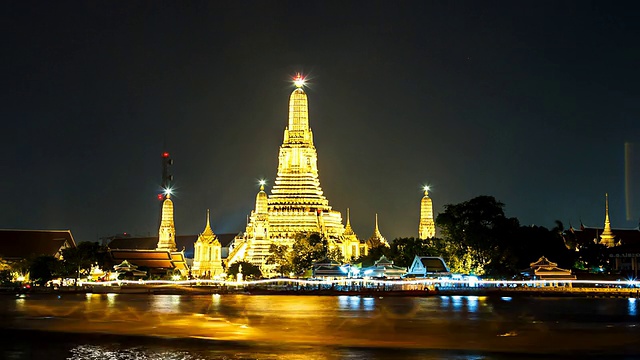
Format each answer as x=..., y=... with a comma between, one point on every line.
x=207, y=259
x=607, y=237
x=167, y=231
x=351, y=246
x=427, y=228
x=376, y=239
x=296, y=203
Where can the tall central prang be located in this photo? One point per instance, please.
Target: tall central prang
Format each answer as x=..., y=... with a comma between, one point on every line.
x=296, y=204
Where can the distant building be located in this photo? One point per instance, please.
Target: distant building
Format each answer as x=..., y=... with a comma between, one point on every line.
x=623, y=244
x=16, y=245
x=428, y=267
x=427, y=228
x=376, y=239
x=207, y=258
x=160, y=254
x=383, y=268
x=543, y=269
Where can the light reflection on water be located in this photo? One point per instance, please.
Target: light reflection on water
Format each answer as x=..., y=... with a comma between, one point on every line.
x=86, y=352
x=469, y=323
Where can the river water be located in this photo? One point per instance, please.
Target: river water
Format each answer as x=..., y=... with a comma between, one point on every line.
x=110, y=326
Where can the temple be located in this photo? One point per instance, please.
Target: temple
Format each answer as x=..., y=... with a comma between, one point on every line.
x=607, y=237
x=376, y=239
x=296, y=203
x=167, y=231
x=427, y=228
x=207, y=258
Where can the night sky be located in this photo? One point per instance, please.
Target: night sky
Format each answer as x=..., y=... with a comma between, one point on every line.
x=528, y=101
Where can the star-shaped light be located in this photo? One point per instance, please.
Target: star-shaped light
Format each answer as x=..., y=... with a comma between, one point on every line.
x=298, y=80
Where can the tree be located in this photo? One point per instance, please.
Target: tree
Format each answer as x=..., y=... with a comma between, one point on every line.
x=478, y=235
x=281, y=257
x=307, y=248
x=45, y=268
x=373, y=255
x=404, y=250
x=249, y=271
x=79, y=260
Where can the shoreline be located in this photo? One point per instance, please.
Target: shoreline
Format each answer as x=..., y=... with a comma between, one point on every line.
x=367, y=292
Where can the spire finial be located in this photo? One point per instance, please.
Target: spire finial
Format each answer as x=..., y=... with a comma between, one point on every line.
x=426, y=190
x=298, y=80
x=377, y=230
x=207, y=229
x=262, y=182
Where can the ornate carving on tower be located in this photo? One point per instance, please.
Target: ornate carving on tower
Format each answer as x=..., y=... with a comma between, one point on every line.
x=607, y=237
x=427, y=228
x=167, y=231
x=296, y=203
x=207, y=260
x=376, y=239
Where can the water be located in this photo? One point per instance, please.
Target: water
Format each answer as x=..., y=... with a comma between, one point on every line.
x=110, y=326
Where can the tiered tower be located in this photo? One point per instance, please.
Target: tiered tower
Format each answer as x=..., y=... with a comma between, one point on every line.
x=296, y=203
x=607, y=237
x=207, y=259
x=427, y=228
x=167, y=231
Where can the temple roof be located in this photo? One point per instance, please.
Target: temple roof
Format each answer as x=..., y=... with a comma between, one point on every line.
x=622, y=236
x=21, y=244
x=154, y=259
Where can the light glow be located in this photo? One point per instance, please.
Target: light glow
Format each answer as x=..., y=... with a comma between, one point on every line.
x=298, y=80
x=168, y=191
x=373, y=282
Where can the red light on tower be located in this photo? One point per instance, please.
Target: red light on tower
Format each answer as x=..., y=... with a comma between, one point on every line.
x=165, y=155
x=160, y=196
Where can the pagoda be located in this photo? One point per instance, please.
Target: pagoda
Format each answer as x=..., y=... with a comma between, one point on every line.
x=427, y=228
x=607, y=237
x=296, y=203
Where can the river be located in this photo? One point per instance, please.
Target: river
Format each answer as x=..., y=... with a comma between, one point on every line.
x=110, y=326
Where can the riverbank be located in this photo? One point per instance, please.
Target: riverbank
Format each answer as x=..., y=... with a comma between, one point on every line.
x=337, y=291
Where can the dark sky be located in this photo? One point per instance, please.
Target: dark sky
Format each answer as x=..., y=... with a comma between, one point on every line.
x=528, y=101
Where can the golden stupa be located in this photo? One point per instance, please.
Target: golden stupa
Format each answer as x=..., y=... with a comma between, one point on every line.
x=427, y=228
x=296, y=203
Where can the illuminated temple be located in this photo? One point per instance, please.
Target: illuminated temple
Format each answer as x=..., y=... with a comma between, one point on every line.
x=427, y=228
x=296, y=203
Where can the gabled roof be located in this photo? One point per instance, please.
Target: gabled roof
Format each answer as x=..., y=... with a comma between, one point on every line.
x=383, y=261
x=21, y=244
x=326, y=262
x=543, y=262
x=433, y=264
